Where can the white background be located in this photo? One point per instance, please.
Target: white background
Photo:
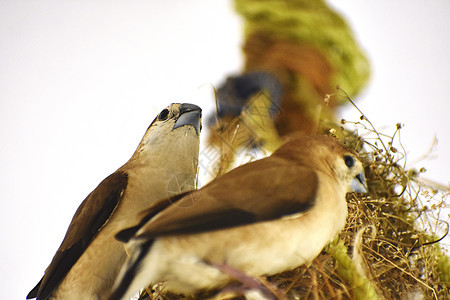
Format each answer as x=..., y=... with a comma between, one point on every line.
x=80, y=81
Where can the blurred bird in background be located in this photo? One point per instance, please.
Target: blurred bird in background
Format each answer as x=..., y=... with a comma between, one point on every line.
x=165, y=163
x=233, y=95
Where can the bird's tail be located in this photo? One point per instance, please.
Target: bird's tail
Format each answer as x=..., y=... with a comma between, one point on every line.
x=126, y=284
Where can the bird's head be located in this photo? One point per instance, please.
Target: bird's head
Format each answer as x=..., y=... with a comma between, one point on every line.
x=350, y=171
x=326, y=154
x=173, y=135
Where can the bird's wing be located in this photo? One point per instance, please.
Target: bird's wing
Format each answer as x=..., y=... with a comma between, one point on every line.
x=261, y=191
x=89, y=218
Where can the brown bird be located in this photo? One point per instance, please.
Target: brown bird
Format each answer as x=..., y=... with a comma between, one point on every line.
x=165, y=163
x=261, y=218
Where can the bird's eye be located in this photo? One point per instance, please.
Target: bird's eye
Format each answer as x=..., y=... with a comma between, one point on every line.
x=163, y=115
x=349, y=161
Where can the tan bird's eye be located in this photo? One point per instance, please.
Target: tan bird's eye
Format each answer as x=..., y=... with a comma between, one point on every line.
x=163, y=115
x=349, y=161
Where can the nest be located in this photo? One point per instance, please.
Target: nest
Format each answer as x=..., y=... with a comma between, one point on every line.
x=390, y=246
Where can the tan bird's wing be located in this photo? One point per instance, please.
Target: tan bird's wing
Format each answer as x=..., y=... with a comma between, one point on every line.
x=89, y=218
x=260, y=191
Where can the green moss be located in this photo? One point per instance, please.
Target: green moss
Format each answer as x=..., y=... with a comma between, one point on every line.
x=311, y=23
x=363, y=288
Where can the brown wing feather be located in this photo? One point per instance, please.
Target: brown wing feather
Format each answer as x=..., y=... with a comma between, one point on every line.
x=89, y=218
x=260, y=191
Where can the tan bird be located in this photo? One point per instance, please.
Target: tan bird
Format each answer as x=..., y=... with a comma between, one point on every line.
x=165, y=163
x=261, y=218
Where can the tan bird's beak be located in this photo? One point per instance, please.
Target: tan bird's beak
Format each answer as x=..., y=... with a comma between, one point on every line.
x=359, y=184
x=190, y=114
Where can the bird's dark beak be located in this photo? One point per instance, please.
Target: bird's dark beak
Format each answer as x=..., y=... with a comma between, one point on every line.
x=359, y=184
x=190, y=114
